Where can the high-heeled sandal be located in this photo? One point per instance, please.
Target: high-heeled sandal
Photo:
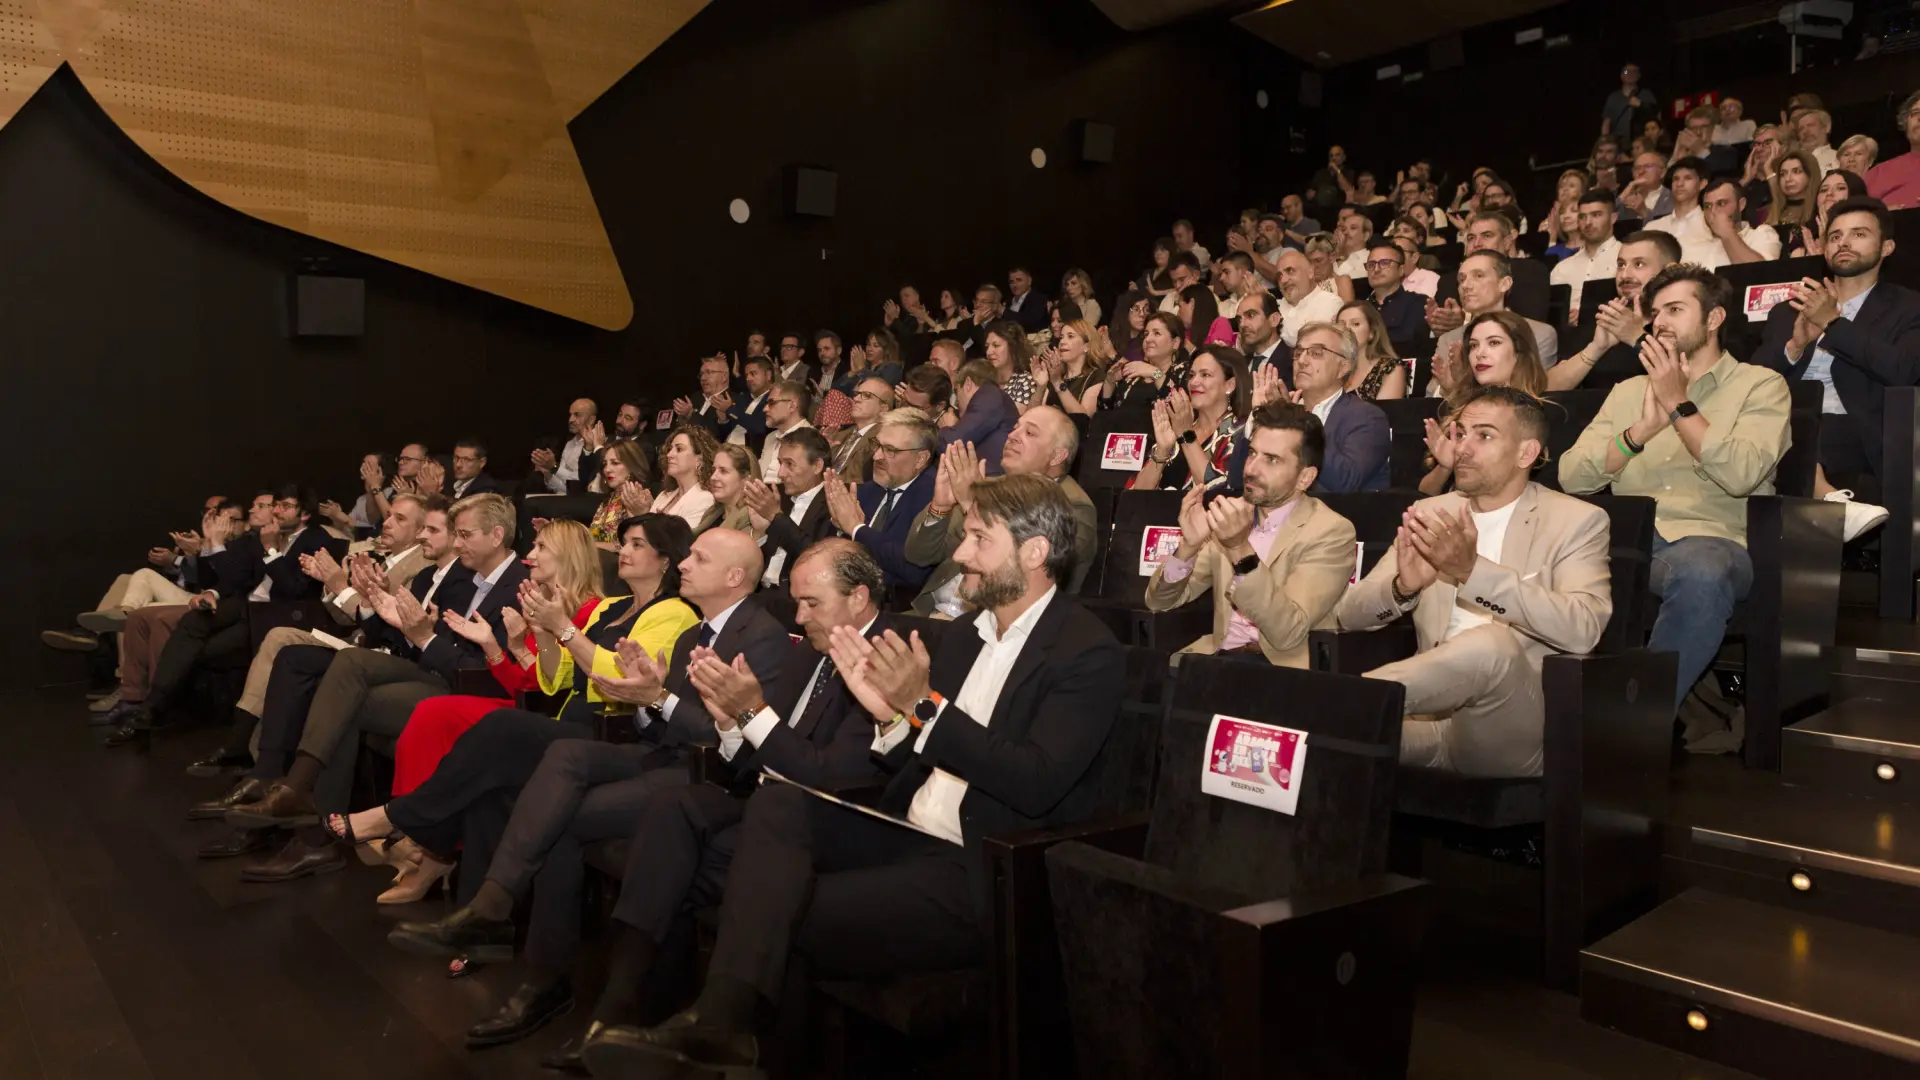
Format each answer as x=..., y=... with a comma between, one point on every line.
x=413, y=885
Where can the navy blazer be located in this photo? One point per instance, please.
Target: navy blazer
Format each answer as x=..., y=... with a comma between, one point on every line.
x=484, y=484
x=988, y=421
x=454, y=594
x=888, y=544
x=748, y=418
x=1359, y=451
x=449, y=653
x=750, y=631
x=1878, y=349
x=1032, y=314
x=242, y=565
x=831, y=745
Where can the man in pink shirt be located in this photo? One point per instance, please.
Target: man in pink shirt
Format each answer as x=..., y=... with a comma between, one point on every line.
x=1896, y=181
x=1275, y=560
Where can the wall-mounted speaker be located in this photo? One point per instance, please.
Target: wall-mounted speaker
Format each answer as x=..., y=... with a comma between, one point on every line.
x=327, y=306
x=810, y=192
x=1095, y=140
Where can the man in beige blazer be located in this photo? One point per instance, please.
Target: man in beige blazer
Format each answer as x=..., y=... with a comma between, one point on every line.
x=1276, y=561
x=1042, y=443
x=1498, y=573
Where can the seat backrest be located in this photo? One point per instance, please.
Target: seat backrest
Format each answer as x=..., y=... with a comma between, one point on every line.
x=1795, y=473
x=1121, y=580
x=1103, y=499
x=1630, y=551
x=1338, y=831
x=1376, y=517
x=1133, y=421
x=1122, y=773
x=1407, y=420
x=1559, y=300
x=1568, y=414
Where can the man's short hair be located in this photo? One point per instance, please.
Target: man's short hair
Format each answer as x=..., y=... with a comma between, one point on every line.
x=1349, y=345
x=1184, y=221
x=1419, y=227
x=1384, y=243
x=928, y=379
x=949, y=345
x=427, y=502
x=1709, y=111
x=922, y=432
x=1287, y=416
x=309, y=501
x=1669, y=246
x=1030, y=506
x=826, y=335
x=1500, y=220
x=850, y=565
x=797, y=390
x=1184, y=258
x=1718, y=182
x=1690, y=163
x=1529, y=412
x=760, y=362
x=1609, y=140
x=1278, y=221
x=1713, y=290
x=1238, y=258
x=811, y=442
x=1598, y=197
x=479, y=448
x=1502, y=266
x=979, y=372
x=490, y=511
x=1864, y=204
x=1265, y=301
x=990, y=287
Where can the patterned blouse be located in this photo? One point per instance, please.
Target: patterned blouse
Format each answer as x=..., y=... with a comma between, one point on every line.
x=605, y=526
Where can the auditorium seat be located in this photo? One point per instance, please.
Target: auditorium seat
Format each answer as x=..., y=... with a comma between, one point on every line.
x=1093, y=442
x=1601, y=798
x=1407, y=419
x=1225, y=933
x=1121, y=597
x=1900, y=494
x=1569, y=412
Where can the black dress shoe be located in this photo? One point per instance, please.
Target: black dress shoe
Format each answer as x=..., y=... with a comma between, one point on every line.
x=682, y=1047
x=128, y=733
x=237, y=842
x=294, y=861
x=567, y=1059
x=244, y=791
x=526, y=1012
x=223, y=763
x=489, y=941
x=278, y=807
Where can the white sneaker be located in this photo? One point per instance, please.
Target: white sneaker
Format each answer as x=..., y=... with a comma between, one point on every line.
x=1860, y=516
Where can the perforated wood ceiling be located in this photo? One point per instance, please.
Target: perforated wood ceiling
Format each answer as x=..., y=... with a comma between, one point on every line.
x=428, y=132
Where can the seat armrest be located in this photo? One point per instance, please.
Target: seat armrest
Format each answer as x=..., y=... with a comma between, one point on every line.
x=708, y=767
x=1356, y=652
x=1793, y=614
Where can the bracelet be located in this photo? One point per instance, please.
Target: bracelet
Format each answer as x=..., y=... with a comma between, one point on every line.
x=496, y=658
x=1625, y=447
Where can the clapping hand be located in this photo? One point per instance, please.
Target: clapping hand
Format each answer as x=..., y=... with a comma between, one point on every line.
x=856, y=360
x=886, y=675
x=682, y=407
x=321, y=567
x=545, y=611
x=1268, y=386
x=1440, y=442
x=762, y=503
x=543, y=461
x=1179, y=409
x=1038, y=372
x=843, y=504
x=403, y=485
x=641, y=676
x=433, y=478
x=1666, y=372
x=1619, y=321
x=890, y=311
x=1412, y=572
x=1195, y=528
x=1139, y=369
x=371, y=477
x=1816, y=303
x=1444, y=317
x=635, y=498
x=1447, y=372
x=727, y=689
x=219, y=529
x=1163, y=431
x=514, y=623
x=188, y=542
x=1446, y=541
x=330, y=510
x=413, y=621
x=160, y=557
x=1231, y=522
x=960, y=467
x=471, y=627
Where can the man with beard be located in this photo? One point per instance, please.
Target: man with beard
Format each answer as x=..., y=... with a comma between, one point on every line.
x=1698, y=433
x=1498, y=573
x=992, y=731
x=1614, y=352
x=1706, y=220
x=1594, y=216
x=1275, y=561
x=1855, y=335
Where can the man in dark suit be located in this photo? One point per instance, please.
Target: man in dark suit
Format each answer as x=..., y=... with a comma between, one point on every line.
x=989, y=304
x=1024, y=305
x=1856, y=335
x=257, y=567
x=793, y=365
x=746, y=423
x=567, y=466
x=992, y=731
x=709, y=407
x=796, y=516
x=880, y=514
x=470, y=475
x=872, y=396
x=805, y=726
x=987, y=415
x=1359, y=439
x=371, y=692
x=563, y=772
x=1258, y=323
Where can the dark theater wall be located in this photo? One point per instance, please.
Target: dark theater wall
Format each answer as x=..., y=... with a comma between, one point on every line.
x=145, y=327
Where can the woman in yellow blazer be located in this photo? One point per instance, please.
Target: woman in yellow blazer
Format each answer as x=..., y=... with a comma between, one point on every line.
x=652, y=546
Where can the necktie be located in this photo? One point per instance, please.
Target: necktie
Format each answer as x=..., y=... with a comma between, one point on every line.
x=819, y=685
x=881, y=515
x=706, y=635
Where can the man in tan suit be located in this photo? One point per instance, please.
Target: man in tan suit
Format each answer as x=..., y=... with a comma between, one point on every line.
x=400, y=539
x=1276, y=561
x=1498, y=573
x=1041, y=443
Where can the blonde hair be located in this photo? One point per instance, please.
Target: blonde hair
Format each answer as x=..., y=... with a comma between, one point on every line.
x=743, y=463
x=1099, y=352
x=578, y=576
x=491, y=511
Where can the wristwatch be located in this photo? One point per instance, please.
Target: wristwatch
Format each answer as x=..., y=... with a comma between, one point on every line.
x=925, y=710
x=1189, y=437
x=745, y=716
x=1247, y=565
x=1682, y=410
x=568, y=635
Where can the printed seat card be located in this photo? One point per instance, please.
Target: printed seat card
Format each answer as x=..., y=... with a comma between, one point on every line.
x=1124, y=450
x=1250, y=762
x=1156, y=543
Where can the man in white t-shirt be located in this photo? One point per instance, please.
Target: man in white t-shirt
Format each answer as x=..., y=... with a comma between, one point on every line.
x=1300, y=302
x=1498, y=573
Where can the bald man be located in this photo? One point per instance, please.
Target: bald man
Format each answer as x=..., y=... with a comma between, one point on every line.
x=560, y=776
x=567, y=467
x=1301, y=301
x=1042, y=443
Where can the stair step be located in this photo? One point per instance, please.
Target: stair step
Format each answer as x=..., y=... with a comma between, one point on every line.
x=1863, y=746
x=1774, y=992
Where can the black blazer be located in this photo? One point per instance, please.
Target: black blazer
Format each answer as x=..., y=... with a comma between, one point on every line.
x=484, y=484
x=750, y=631
x=589, y=468
x=239, y=568
x=1032, y=313
x=1024, y=768
x=831, y=745
x=454, y=594
x=784, y=535
x=749, y=417
x=449, y=653
x=1878, y=349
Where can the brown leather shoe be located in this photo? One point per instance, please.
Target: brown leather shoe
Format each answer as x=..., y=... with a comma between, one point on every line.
x=245, y=791
x=281, y=807
x=297, y=859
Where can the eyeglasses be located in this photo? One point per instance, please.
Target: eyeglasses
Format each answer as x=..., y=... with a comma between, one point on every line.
x=1381, y=264
x=1316, y=352
x=465, y=459
x=885, y=449
x=287, y=504
x=868, y=394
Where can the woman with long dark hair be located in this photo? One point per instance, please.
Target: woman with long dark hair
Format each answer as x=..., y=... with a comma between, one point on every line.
x=1835, y=187
x=1163, y=366
x=1201, y=312
x=1193, y=428
x=1499, y=350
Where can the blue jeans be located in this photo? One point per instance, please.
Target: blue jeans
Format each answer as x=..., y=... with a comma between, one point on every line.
x=1698, y=579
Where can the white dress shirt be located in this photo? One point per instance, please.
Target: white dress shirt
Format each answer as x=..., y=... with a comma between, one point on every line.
x=1733, y=134
x=770, y=453
x=1354, y=265
x=263, y=592
x=1317, y=306
x=1586, y=265
x=764, y=721
x=1325, y=408
x=1699, y=245
x=936, y=806
x=567, y=468
x=719, y=623
x=481, y=587
x=795, y=513
x=1827, y=158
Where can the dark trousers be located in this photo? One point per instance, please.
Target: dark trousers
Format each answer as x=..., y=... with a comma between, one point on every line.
x=849, y=896
x=1843, y=456
x=683, y=844
x=583, y=792
x=467, y=801
x=202, y=637
x=363, y=693
x=283, y=713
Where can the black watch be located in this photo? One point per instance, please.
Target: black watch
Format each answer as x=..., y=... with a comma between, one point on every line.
x=1247, y=565
x=1189, y=437
x=1682, y=410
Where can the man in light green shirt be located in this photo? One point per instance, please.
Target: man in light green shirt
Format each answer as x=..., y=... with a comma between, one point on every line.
x=1698, y=433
